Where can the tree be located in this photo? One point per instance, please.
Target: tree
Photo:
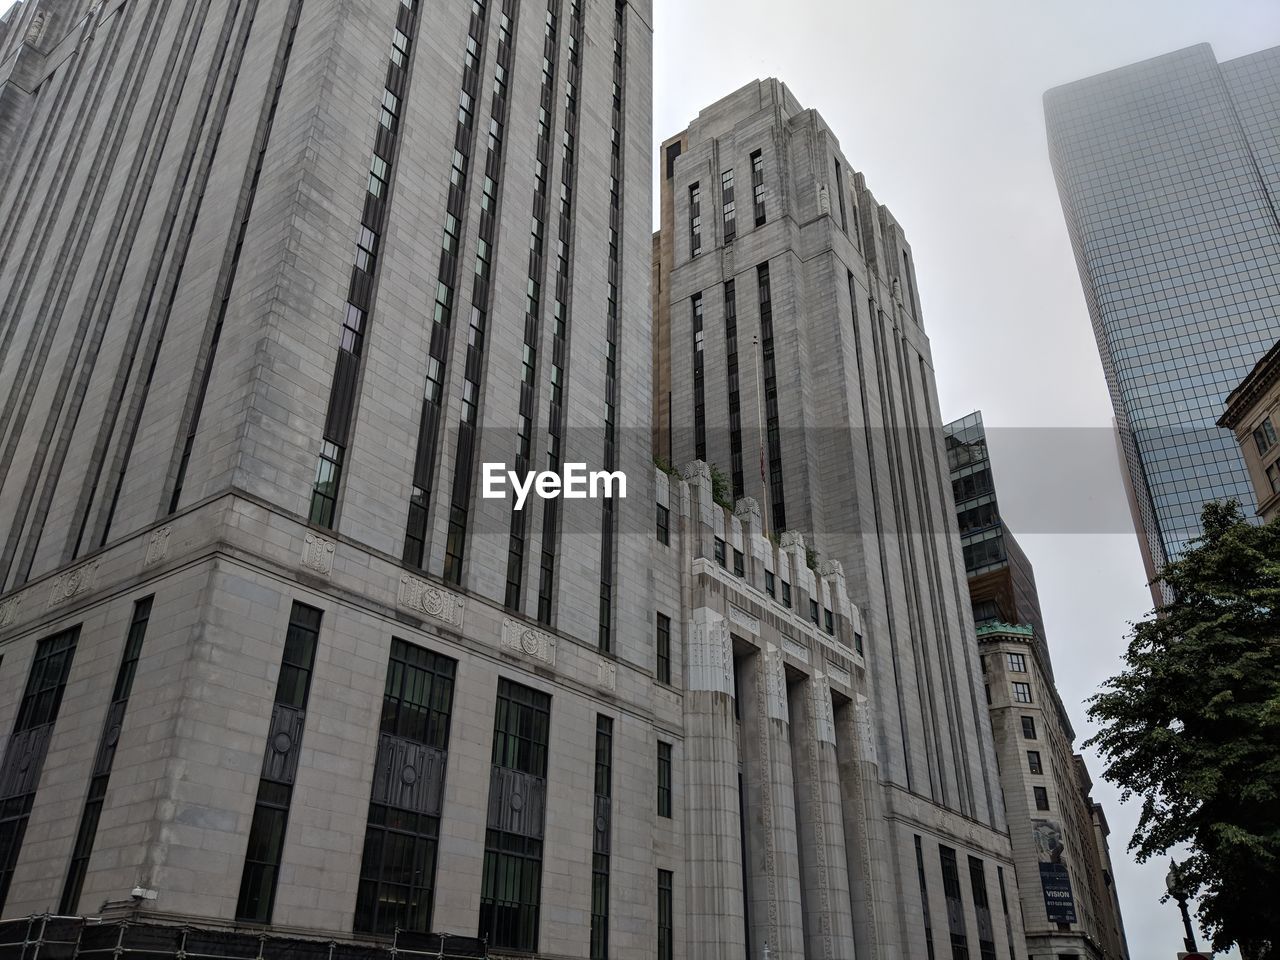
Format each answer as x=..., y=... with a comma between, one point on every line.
x=1192, y=727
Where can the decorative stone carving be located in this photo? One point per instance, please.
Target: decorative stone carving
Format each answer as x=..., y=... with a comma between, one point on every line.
x=36, y=30
x=866, y=731
x=524, y=640
x=796, y=649
x=775, y=683
x=9, y=610
x=73, y=583
x=823, y=715
x=829, y=568
x=158, y=544
x=741, y=618
x=317, y=553
x=791, y=538
x=421, y=597
x=607, y=675
x=824, y=200
x=839, y=674
x=710, y=653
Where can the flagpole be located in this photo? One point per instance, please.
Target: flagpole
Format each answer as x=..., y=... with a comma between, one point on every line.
x=764, y=483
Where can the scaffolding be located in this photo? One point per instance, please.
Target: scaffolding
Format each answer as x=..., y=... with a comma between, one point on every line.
x=47, y=937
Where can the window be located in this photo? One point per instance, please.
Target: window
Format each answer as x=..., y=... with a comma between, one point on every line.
x=87, y=832
x=378, y=176
x=511, y=880
x=1265, y=436
x=721, y=546
x=664, y=779
x=829, y=622
x=1033, y=761
x=666, y=928
x=664, y=525
x=982, y=908
x=813, y=611
x=600, y=843
x=695, y=221
x=857, y=642
x=838, y=187
x=1273, y=477
x=699, y=396
x=757, y=187
x=924, y=898
x=324, y=495
x=1018, y=662
x=664, y=648
x=390, y=110
x=730, y=210
x=955, y=903
x=770, y=584
x=275, y=789
x=366, y=249
x=786, y=594
x=1042, y=798
x=400, y=50
x=739, y=564
x=1029, y=727
x=1022, y=692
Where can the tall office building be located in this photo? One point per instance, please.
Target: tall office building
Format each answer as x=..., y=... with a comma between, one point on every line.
x=1169, y=173
x=831, y=424
x=270, y=662
x=1002, y=584
x=1070, y=906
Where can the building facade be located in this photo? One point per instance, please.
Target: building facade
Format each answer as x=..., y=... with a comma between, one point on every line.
x=1002, y=583
x=1252, y=414
x=791, y=358
x=1169, y=174
x=1058, y=833
x=268, y=660
x=1069, y=902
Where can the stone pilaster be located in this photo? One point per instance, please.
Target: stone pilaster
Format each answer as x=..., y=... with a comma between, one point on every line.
x=828, y=920
x=713, y=835
x=867, y=849
x=773, y=874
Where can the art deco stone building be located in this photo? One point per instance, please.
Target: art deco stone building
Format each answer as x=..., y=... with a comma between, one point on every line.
x=269, y=662
x=1169, y=173
x=791, y=355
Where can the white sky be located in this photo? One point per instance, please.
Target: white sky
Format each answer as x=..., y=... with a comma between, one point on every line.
x=939, y=105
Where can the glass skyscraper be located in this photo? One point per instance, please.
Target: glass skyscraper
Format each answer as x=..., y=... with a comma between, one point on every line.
x=1169, y=174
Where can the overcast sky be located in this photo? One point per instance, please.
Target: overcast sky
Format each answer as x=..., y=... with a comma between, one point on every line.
x=939, y=104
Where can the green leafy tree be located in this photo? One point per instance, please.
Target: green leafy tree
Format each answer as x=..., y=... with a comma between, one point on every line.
x=1192, y=728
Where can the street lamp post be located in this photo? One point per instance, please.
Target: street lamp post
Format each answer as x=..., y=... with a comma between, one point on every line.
x=1173, y=882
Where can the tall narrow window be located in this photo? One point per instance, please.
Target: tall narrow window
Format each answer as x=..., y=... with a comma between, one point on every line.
x=600, y=840
x=757, y=187
x=664, y=779
x=728, y=207
x=838, y=188
x=924, y=899
x=1042, y=798
x=1033, y=761
x=1029, y=727
x=511, y=881
x=279, y=767
x=666, y=915
x=699, y=396
x=982, y=907
x=955, y=903
x=398, y=866
x=664, y=525
x=664, y=648
x=772, y=423
x=104, y=758
x=1004, y=905
x=25, y=752
x=735, y=406
x=695, y=221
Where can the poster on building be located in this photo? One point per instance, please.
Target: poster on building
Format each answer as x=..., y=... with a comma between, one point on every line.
x=1059, y=904
x=1055, y=881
